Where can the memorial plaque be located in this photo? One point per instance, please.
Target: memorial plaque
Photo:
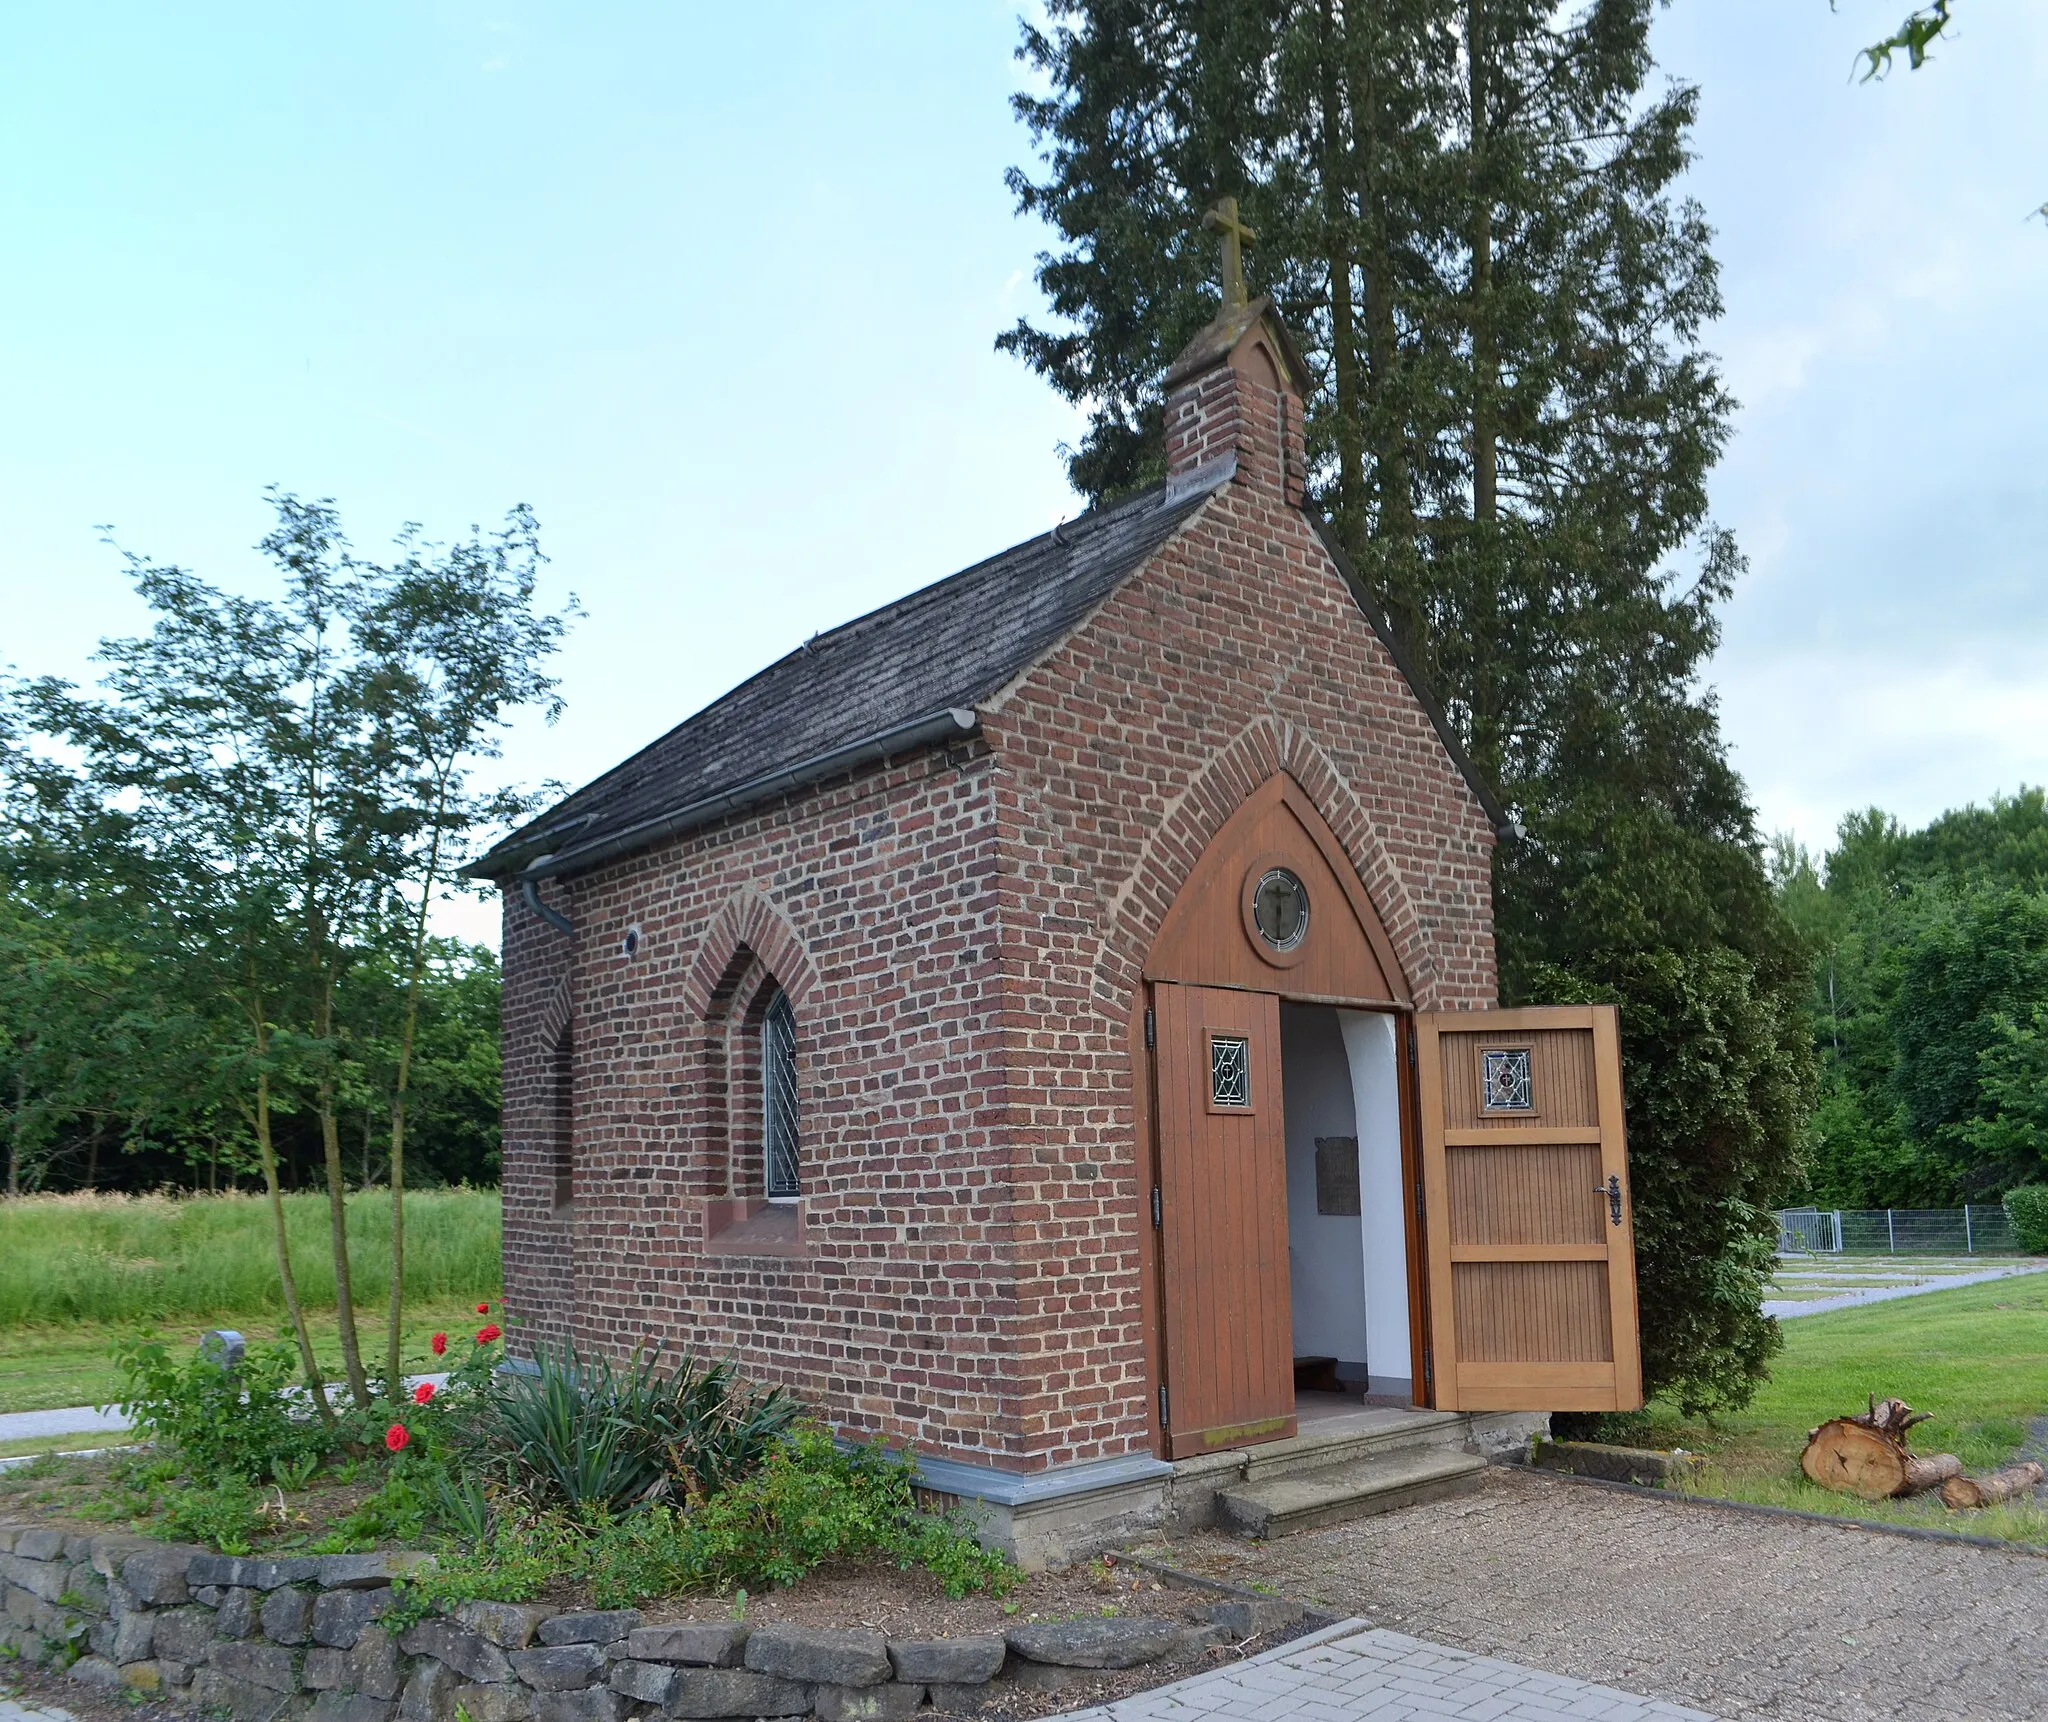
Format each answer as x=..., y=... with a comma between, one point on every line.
x=1337, y=1175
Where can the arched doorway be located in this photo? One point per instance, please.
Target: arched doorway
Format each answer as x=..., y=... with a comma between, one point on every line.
x=1280, y=1107
x=1464, y=1244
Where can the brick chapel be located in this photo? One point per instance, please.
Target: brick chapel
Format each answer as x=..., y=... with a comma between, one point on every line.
x=1050, y=1021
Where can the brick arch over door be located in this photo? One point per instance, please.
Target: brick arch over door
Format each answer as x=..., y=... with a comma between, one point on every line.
x=1264, y=749
x=748, y=924
x=1209, y=938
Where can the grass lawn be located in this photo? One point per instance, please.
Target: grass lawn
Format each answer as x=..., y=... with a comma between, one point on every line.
x=1976, y=1357
x=130, y=1259
x=52, y=1364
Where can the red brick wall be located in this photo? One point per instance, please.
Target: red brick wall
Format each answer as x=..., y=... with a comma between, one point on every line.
x=873, y=905
x=962, y=937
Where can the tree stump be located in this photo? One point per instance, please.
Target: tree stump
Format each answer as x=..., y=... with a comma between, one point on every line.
x=2014, y=1480
x=1867, y=1455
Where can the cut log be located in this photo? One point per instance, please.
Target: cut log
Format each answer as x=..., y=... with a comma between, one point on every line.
x=1930, y=1471
x=1893, y=1417
x=1848, y=1456
x=1988, y=1491
x=1867, y=1455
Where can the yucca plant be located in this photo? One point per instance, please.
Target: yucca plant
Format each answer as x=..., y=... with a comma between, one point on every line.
x=598, y=1436
x=715, y=1427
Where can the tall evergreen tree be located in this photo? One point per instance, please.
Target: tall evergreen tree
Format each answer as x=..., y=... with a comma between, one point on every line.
x=1468, y=213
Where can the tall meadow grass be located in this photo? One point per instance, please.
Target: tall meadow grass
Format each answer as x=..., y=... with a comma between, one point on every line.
x=150, y=1258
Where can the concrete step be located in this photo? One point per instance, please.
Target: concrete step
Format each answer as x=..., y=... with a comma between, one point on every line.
x=1304, y=1500
x=1318, y=1447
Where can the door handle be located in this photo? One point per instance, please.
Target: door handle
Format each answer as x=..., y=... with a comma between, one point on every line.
x=1612, y=1191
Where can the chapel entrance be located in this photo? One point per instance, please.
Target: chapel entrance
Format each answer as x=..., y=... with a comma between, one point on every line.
x=1277, y=1015
x=1351, y=1196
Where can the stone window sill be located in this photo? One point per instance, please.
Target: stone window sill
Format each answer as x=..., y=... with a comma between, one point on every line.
x=749, y=1226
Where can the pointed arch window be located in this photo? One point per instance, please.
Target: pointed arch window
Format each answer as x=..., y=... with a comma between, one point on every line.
x=561, y=1075
x=782, y=1174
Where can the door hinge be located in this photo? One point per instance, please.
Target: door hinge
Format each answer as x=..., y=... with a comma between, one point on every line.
x=1164, y=1421
x=1428, y=1367
x=1158, y=1208
x=1151, y=1030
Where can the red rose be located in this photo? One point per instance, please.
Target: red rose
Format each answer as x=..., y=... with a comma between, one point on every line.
x=422, y=1393
x=488, y=1332
x=396, y=1436
x=483, y=1309
x=440, y=1344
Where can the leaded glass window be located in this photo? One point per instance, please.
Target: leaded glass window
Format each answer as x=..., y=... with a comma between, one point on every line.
x=778, y=1101
x=1230, y=1070
x=1280, y=909
x=1505, y=1081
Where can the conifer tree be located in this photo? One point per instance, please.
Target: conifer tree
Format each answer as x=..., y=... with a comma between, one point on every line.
x=1468, y=215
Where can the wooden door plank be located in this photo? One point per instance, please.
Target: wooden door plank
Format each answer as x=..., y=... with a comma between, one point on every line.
x=1525, y=1020
x=1421, y=1388
x=1524, y=1135
x=1529, y=1252
x=1436, y=1213
x=1177, y=1247
x=1621, y=1272
x=1540, y=1387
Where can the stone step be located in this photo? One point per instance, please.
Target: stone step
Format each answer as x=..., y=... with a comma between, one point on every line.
x=1317, y=1449
x=1304, y=1500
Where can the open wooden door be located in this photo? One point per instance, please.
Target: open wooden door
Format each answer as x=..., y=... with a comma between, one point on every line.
x=1229, y=1319
x=1529, y=1242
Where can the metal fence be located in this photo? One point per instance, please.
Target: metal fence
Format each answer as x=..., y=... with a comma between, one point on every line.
x=1980, y=1229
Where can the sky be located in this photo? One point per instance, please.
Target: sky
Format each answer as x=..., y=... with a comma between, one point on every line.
x=714, y=289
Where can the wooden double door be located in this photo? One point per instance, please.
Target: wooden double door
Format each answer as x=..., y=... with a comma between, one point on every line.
x=1521, y=1258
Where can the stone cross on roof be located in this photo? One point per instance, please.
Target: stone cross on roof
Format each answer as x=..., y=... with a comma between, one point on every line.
x=1236, y=236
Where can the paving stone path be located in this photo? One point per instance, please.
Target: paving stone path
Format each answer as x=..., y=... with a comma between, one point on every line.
x=1353, y=1671
x=1744, y=1616
x=1917, y=1284
x=13, y=1711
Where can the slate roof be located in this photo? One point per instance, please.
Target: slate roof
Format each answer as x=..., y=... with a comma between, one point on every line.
x=946, y=647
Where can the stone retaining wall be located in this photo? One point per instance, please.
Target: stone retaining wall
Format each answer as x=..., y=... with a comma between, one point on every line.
x=273, y=1640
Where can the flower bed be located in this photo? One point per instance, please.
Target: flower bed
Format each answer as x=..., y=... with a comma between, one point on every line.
x=575, y=1542
x=338, y=1638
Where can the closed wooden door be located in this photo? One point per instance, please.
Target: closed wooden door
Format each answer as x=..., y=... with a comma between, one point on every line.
x=1531, y=1252
x=1229, y=1323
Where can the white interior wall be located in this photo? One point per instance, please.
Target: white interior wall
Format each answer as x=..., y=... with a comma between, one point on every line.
x=1369, y=1045
x=1325, y=1264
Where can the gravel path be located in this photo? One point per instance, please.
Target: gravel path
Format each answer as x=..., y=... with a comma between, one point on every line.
x=1737, y=1614
x=93, y=1419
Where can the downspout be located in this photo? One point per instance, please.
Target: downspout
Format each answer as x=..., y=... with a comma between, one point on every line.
x=530, y=890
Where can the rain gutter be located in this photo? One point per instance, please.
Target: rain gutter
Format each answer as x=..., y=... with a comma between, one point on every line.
x=930, y=730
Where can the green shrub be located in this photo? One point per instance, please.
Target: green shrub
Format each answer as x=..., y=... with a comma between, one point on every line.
x=513, y=1561
x=809, y=1503
x=2027, y=1208
x=240, y=1422
x=583, y=1434
x=223, y=1516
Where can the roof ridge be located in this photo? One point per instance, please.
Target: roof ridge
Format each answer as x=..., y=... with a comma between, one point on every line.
x=1065, y=536
x=1090, y=520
